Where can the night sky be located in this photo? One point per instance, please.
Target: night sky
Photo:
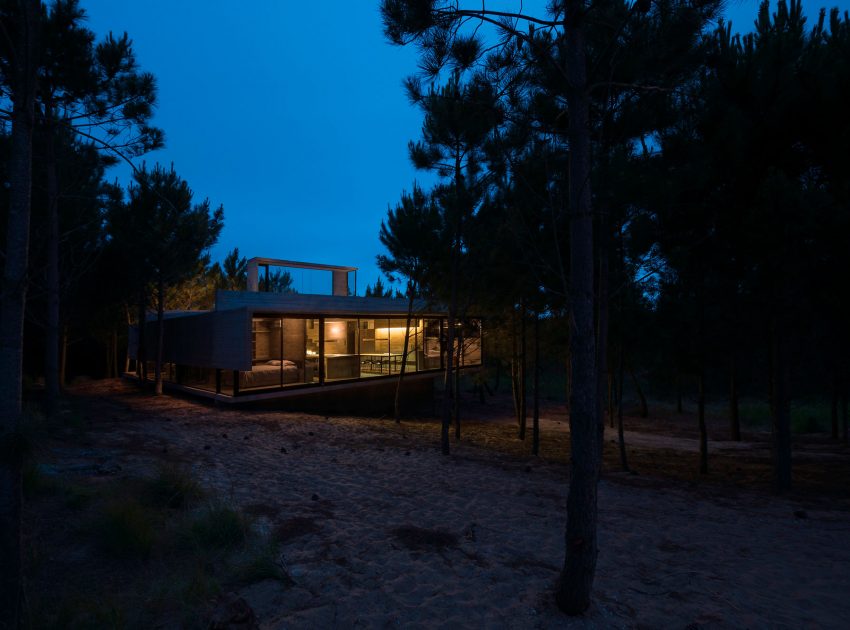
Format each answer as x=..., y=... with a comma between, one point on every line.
x=290, y=115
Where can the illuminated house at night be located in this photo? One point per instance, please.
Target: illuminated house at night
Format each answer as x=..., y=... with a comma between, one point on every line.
x=257, y=345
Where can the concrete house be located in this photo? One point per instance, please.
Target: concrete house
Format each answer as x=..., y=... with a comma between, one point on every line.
x=257, y=344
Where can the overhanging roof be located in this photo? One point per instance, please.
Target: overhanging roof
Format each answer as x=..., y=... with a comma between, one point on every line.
x=299, y=304
x=276, y=262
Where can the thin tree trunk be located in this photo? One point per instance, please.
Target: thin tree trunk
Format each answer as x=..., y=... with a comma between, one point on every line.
x=535, y=418
x=781, y=408
x=127, y=355
x=13, y=293
x=734, y=418
x=515, y=368
x=836, y=396
x=63, y=357
x=448, y=394
x=611, y=388
x=644, y=408
x=523, y=379
x=678, y=393
x=621, y=440
x=411, y=290
x=141, y=351
x=576, y=580
x=602, y=317
x=52, y=388
x=114, y=354
x=844, y=417
x=160, y=334
x=703, y=431
x=456, y=401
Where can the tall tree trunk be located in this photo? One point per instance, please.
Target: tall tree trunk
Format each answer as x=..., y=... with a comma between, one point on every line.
x=13, y=295
x=52, y=388
x=602, y=316
x=836, y=395
x=644, y=408
x=780, y=407
x=703, y=431
x=141, y=351
x=127, y=354
x=611, y=388
x=844, y=417
x=456, y=402
x=63, y=357
x=448, y=389
x=411, y=290
x=515, y=389
x=114, y=354
x=621, y=438
x=160, y=334
x=576, y=579
x=679, y=392
x=734, y=417
x=535, y=418
x=523, y=372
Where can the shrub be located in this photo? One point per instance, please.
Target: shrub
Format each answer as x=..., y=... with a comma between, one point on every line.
x=127, y=529
x=219, y=527
x=174, y=487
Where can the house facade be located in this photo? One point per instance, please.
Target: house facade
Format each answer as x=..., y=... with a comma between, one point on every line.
x=257, y=344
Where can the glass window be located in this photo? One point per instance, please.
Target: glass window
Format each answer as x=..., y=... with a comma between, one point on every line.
x=471, y=340
x=431, y=345
x=266, y=357
x=342, y=353
x=374, y=347
x=299, y=365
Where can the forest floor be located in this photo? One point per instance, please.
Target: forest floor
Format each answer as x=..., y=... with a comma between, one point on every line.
x=170, y=512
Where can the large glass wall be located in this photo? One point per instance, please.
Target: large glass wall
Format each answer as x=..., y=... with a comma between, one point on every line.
x=311, y=361
x=284, y=352
x=470, y=332
x=341, y=349
x=287, y=351
x=431, y=345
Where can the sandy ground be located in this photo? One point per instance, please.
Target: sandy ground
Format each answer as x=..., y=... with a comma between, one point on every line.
x=349, y=489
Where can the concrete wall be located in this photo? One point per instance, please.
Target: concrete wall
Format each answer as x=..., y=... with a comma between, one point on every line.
x=218, y=339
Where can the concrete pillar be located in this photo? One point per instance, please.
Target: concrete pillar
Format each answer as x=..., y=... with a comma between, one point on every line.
x=340, y=283
x=253, y=276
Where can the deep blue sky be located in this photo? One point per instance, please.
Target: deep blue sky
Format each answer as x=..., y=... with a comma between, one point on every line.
x=291, y=114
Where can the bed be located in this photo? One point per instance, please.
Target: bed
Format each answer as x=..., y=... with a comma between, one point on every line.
x=267, y=374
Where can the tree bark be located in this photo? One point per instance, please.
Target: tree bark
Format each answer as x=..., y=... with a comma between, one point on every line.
x=51, y=338
x=397, y=406
x=621, y=439
x=160, y=334
x=576, y=579
x=515, y=369
x=448, y=393
x=844, y=417
x=781, y=408
x=535, y=418
x=703, y=431
x=13, y=295
x=523, y=372
x=678, y=393
x=644, y=408
x=141, y=351
x=456, y=401
x=611, y=388
x=734, y=417
x=63, y=357
x=836, y=395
